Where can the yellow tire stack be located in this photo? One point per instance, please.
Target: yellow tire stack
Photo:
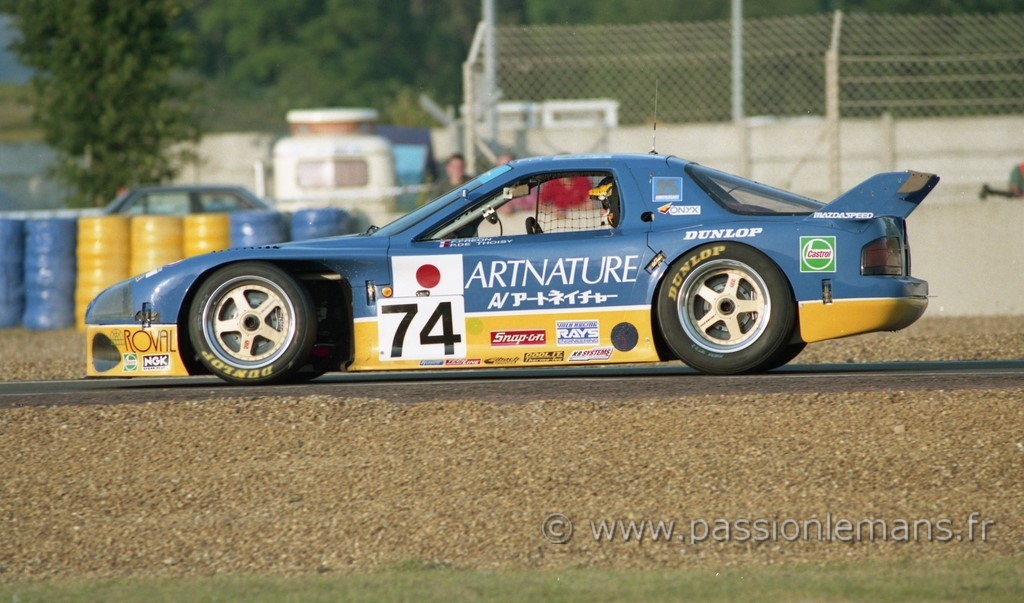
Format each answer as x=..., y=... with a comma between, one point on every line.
x=204, y=233
x=155, y=241
x=102, y=254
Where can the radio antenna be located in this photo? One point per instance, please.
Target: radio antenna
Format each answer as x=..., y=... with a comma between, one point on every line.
x=654, y=134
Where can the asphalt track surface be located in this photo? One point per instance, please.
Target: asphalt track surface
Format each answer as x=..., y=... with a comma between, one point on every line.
x=597, y=383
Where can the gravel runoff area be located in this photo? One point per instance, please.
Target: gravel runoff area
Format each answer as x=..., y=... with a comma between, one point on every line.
x=322, y=484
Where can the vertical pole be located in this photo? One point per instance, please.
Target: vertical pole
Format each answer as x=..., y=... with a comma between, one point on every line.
x=737, y=88
x=832, y=115
x=737, y=60
x=490, y=91
x=470, y=100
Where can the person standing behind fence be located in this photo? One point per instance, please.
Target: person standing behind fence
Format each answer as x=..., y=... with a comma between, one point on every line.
x=1016, y=183
x=455, y=175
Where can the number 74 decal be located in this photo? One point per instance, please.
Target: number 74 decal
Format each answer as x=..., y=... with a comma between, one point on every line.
x=422, y=328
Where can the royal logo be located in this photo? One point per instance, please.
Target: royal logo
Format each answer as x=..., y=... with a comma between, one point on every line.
x=525, y=337
x=818, y=254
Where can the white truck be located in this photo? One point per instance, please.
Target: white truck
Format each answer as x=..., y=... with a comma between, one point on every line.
x=334, y=158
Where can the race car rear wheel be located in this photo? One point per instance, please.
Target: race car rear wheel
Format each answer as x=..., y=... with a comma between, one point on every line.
x=252, y=323
x=724, y=308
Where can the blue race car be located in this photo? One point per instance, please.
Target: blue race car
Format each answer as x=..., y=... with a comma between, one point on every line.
x=563, y=260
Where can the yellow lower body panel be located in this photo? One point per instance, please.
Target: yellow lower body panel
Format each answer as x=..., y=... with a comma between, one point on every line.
x=588, y=336
x=133, y=351
x=535, y=339
x=820, y=321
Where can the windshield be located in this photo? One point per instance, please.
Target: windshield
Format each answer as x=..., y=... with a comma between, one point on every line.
x=440, y=204
x=743, y=196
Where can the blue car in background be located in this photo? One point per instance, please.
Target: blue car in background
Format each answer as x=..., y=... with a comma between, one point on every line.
x=561, y=260
x=184, y=199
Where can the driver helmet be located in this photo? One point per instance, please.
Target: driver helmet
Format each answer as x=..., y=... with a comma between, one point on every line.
x=604, y=193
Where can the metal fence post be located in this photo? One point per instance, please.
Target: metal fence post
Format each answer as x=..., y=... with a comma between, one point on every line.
x=470, y=100
x=832, y=109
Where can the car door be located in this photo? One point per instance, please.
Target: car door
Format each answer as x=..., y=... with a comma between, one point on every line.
x=484, y=289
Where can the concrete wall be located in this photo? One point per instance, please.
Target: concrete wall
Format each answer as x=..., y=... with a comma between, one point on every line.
x=972, y=255
x=793, y=153
x=229, y=158
x=969, y=250
x=24, y=179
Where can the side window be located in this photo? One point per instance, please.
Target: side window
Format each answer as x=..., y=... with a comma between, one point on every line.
x=164, y=203
x=540, y=204
x=221, y=202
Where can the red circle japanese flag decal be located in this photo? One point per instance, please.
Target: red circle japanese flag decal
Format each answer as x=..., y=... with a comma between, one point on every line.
x=435, y=274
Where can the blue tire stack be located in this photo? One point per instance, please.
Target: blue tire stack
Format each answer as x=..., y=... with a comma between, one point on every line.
x=12, y=272
x=255, y=228
x=50, y=270
x=316, y=223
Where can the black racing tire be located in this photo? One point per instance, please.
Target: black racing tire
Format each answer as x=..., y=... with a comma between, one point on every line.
x=725, y=308
x=252, y=323
x=787, y=353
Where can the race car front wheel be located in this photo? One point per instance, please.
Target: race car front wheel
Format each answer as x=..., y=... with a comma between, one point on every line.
x=724, y=308
x=252, y=323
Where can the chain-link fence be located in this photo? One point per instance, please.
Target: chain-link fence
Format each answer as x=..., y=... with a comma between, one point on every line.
x=907, y=66
x=917, y=66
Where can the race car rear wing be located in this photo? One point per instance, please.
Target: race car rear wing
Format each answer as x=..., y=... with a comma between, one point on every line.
x=887, y=194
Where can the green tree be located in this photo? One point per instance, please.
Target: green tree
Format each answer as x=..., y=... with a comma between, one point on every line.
x=307, y=53
x=108, y=94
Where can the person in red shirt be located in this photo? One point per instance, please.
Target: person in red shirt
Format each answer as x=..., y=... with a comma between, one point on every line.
x=565, y=193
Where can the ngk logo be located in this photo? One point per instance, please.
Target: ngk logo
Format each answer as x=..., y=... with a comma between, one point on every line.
x=509, y=338
x=156, y=362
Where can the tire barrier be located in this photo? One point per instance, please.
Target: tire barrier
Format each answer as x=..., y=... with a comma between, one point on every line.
x=12, y=272
x=50, y=273
x=203, y=233
x=255, y=228
x=103, y=258
x=316, y=223
x=51, y=268
x=155, y=241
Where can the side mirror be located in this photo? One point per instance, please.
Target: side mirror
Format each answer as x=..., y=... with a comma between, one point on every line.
x=515, y=192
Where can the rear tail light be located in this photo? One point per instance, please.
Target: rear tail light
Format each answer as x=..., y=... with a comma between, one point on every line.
x=883, y=257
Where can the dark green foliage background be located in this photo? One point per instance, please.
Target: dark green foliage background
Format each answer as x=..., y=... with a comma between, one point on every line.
x=119, y=83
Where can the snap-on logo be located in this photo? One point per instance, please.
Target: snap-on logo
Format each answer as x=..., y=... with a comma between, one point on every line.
x=527, y=337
